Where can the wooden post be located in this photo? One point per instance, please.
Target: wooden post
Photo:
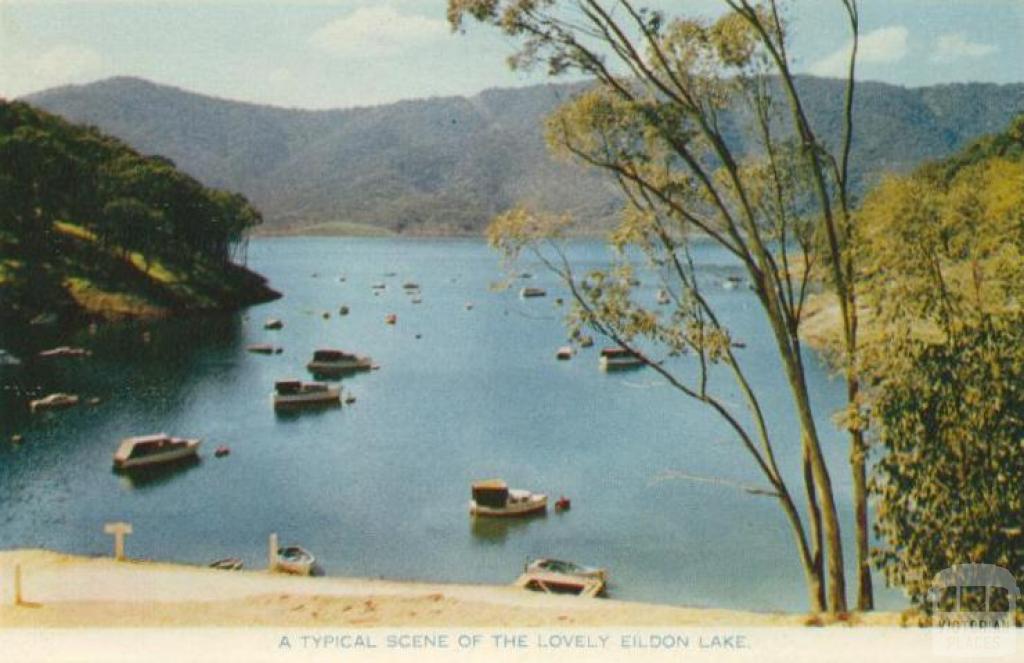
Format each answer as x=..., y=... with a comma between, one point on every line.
x=17, y=584
x=272, y=552
x=119, y=530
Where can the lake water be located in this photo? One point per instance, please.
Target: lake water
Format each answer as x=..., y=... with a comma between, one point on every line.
x=380, y=487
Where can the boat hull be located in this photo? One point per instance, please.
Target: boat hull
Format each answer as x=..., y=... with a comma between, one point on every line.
x=192, y=449
x=338, y=368
x=537, y=504
x=620, y=363
x=330, y=397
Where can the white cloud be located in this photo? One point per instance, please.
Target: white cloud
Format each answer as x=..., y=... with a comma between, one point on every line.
x=374, y=32
x=882, y=46
x=956, y=46
x=21, y=73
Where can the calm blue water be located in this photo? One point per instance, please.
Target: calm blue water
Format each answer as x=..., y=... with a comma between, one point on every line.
x=380, y=487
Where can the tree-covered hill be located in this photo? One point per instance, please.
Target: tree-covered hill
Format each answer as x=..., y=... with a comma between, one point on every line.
x=89, y=227
x=449, y=164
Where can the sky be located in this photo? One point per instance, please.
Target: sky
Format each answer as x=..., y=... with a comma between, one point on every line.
x=343, y=53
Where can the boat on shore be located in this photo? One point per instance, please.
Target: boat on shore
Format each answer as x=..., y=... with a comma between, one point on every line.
x=553, y=576
x=146, y=450
x=616, y=359
x=227, y=564
x=493, y=498
x=331, y=362
x=53, y=402
x=297, y=394
x=294, y=559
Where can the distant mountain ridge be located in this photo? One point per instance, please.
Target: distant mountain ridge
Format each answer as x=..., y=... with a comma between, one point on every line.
x=447, y=165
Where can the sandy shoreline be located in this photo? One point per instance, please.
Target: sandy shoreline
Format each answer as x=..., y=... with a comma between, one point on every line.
x=70, y=591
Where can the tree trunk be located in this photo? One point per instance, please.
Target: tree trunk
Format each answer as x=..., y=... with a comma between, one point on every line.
x=818, y=591
x=858, y=464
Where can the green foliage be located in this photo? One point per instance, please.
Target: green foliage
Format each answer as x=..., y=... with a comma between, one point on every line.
x=941, y=254
x=952, y=435
x=80, y=207
x=450, y=164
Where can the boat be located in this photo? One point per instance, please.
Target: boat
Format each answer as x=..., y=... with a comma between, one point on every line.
x=547, y=565
x=410, y=286
x=553, y=576
x=145, y=450
x=565, y=352
x=493, y=498
x=614, y=359
x=663, y=297
x=7, y=359
x=53, y=402
x=294, y=559
x=328, y=361
x=262, y=349
x=295, y=394
x=222, y=451
x=273, y=323
x=563, y=504
x=227, y=564
x=533, y=292
x=390, y=318
x=63, y=351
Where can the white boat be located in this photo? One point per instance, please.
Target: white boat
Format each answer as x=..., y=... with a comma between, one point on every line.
x=547, y=565
x=273, y=323
x=533, y=292
x=565, y=352
x=614, y=359
x=335, y=362
x=493, y=498
x=53, y=402
x=146, y=450
x=64, y=351
x=294, y=559
x=296, y=394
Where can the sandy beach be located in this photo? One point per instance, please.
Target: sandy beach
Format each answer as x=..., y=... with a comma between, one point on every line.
x=69, y=591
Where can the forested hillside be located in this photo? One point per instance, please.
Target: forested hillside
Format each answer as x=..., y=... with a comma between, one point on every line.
x=448, y=165
x=88, y=226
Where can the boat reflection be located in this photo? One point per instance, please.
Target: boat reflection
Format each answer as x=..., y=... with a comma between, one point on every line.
x=494, y=531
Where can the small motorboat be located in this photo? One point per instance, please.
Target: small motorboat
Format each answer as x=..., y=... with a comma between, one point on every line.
x=295, y=394
x=222, y=451
x=411, y=286
x=533, y=292
x=614, y=359
x=294, y=559
x=261, y=348
x=547, y=565
x=146, y=450
x=563, y=504
x=227, y=564
x=273, y=323
x=343, y=310
x=332, y=362
x=390, y=318
x=565, y=352
x=493, y=498
x=53, y=402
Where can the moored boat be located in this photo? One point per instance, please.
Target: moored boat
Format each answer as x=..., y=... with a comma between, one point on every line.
x=533, y=292
x=144, y=450
x=227, y=564
x=493, y=498
x=53, y=402
x=273, y=323
x=548, y=565
x=294, y=559
x=64, y=351
x=613, y=359
x=296, y=394
x=329, y=361
x=565, y=352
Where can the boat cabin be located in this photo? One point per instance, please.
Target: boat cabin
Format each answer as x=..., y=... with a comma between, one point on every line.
x=146, y=445
x=289, y=387
x=332, y=355
x=616, y=353
x=492, y=493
